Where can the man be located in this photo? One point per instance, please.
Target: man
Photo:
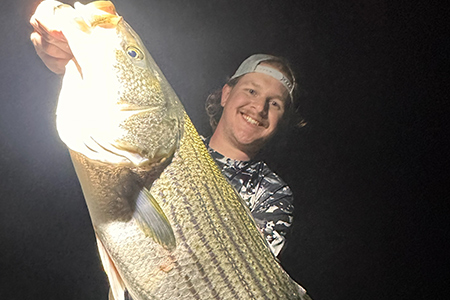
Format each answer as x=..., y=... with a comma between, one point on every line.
x=251, y=107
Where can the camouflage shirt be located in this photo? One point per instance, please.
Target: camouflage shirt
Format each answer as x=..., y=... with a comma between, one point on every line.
x=267, y=196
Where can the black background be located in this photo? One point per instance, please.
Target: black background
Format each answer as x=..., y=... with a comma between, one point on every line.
x=368, y=171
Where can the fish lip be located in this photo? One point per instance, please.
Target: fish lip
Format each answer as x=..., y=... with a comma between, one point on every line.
x=139, y=108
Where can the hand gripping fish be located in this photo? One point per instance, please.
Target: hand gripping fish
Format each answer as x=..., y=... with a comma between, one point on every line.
x=168, y=224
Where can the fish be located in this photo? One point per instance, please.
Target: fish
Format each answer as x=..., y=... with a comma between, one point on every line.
x=167, y=222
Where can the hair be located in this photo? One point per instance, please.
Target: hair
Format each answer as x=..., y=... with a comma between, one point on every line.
x=214, y=108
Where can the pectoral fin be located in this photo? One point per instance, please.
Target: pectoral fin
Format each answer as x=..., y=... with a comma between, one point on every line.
x=152, y=220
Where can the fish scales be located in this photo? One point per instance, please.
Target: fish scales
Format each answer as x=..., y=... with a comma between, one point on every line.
x=229, y=220
x=168, y=223
x=220, y=255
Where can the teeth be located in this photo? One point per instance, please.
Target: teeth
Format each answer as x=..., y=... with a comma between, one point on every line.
x=251, y=120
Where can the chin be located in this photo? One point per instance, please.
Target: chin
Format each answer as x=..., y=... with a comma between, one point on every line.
x=253, y=145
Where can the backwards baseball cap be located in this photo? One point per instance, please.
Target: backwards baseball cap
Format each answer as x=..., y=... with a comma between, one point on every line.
x=252, y=65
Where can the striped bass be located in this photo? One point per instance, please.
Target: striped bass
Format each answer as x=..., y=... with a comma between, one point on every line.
x=168, y=224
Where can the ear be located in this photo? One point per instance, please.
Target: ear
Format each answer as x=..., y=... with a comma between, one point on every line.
x=226, y=90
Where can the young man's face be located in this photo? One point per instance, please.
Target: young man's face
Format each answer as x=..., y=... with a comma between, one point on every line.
x=252, y=110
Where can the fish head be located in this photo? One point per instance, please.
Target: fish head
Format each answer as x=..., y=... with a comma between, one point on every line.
x=115, y=104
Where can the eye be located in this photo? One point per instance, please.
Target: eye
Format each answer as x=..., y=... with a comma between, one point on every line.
x=275, y=104
x=135, y=53
x=252, y=91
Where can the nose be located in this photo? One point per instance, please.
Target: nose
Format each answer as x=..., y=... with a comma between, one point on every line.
x=261, y=106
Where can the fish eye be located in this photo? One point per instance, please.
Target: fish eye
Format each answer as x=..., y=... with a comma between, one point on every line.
x=135, y=53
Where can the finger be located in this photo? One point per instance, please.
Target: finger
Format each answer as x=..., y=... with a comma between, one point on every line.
x=45, y=21
x=48, y=33
x=51, y=49
x=58, y=59
x=56, y=65
x=54, y=37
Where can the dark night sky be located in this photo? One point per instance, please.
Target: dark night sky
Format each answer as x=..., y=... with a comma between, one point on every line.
x=368, y=171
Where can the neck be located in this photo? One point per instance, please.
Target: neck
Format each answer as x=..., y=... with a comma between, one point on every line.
x=227, y=149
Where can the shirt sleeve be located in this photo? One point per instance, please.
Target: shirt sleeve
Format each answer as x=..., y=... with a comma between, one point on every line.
x=273, y=210
x=267, y=196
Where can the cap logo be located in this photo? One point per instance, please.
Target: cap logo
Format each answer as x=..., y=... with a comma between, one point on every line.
x=275, y=74
x=252, y=64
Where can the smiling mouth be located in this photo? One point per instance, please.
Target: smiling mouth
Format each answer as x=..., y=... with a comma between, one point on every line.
x=250, y=120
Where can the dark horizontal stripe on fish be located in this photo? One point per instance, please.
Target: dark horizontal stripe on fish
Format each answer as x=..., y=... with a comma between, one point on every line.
x=211, y=224
x=238, y=233
x=198, y=265
x=214, y=195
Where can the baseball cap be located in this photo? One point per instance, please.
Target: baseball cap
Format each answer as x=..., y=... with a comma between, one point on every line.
x=252, y=64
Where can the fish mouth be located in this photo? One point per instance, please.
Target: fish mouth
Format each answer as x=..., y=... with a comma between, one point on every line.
x=139, y=109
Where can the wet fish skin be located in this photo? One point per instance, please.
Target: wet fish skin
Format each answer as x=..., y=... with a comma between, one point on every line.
x=136, y=153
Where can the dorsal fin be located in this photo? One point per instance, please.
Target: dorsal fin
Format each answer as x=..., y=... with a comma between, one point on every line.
x=98, y=13
x=106, y=6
